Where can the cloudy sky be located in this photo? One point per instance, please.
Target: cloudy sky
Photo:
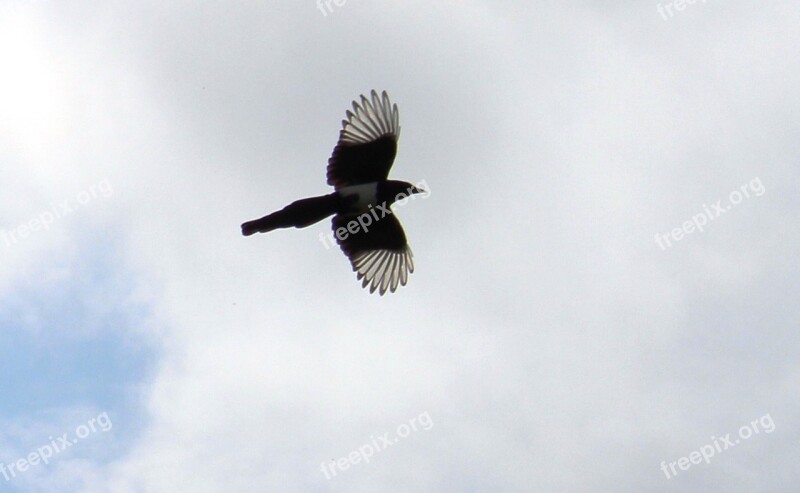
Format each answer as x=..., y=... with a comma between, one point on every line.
x=606, y=284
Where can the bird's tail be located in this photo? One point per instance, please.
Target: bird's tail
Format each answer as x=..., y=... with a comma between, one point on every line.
x=298, y=214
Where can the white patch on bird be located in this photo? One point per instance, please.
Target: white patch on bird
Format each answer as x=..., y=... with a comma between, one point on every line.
x=367, y=194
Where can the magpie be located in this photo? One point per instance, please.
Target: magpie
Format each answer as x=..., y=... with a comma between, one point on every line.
x=363, y=223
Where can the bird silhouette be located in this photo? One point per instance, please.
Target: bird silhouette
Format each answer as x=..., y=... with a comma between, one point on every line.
x=364, y=224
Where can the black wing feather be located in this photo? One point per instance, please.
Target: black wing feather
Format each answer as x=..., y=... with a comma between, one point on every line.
x=367, y=143
x=380, y=254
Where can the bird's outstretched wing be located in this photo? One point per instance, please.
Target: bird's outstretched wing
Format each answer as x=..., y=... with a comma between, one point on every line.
x=380, y=256
x=367, y=143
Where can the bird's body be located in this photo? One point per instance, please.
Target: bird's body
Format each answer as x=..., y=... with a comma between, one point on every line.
x=360, y=197
x=364, y=225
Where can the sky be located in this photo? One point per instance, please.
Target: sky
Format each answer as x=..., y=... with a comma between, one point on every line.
x=606, y=272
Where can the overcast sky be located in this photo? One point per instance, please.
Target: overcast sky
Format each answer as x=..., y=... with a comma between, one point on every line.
x=606, y=283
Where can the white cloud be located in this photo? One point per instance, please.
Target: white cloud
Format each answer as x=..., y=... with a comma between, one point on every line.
x=554, y=344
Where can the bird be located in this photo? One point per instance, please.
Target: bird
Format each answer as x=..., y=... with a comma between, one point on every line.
x=365, y=226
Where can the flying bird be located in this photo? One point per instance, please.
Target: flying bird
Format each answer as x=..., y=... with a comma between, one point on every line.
x=364, y=224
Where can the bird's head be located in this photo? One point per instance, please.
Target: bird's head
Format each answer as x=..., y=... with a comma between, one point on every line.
x=394, y=190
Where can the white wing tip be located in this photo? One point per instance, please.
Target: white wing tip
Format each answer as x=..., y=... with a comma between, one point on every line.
x=370, y=119
x=384, y=270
